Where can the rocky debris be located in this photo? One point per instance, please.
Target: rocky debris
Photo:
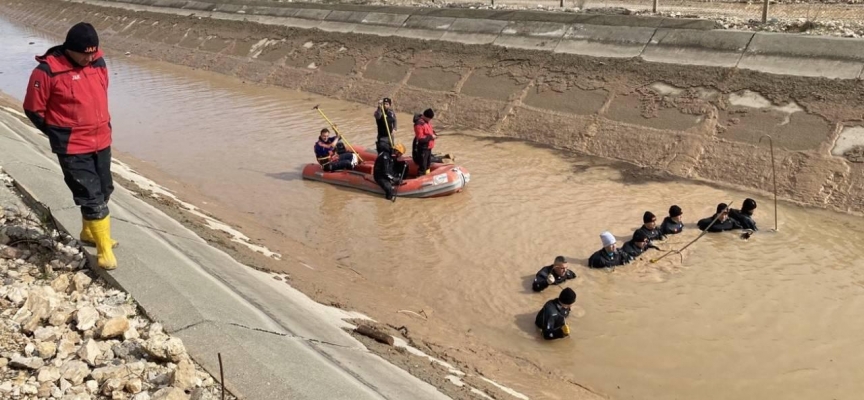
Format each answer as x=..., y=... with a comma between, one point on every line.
x=810, y=23
x=805, y=26
x=65, y=335
x=855, y=154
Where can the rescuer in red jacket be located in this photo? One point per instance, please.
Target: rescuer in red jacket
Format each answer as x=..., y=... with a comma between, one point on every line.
x=67, y=99
x=424, y=141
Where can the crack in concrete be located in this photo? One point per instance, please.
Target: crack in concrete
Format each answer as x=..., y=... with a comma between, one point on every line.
x=152, y=228
x=33, y=165
x=289, y=335
x=192, y=325
x=11, y=138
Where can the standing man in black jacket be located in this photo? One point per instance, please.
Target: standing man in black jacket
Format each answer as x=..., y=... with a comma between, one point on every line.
x=386, y=167
x=384, y=137
x=551, y=320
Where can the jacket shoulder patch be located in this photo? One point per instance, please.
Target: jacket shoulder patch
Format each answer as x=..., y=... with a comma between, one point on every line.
x=44, y=67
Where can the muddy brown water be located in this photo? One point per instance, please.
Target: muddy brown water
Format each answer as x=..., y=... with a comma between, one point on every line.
x=772, y=317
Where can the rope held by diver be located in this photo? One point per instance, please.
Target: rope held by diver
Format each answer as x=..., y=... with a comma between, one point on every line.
x=729, y=204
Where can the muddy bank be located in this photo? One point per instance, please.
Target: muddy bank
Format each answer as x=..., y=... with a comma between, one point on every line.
x=612, y=108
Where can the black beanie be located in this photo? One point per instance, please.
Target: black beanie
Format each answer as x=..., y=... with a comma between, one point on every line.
x=721, y=207
x=82, y=38
x=749, y=205
x=429, y=113
x=639, y=236
x=648, y=217
x=675, y=211
x=567, y=296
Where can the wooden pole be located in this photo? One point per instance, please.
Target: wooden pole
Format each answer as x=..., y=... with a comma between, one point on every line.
x=774, y=175
x=371, y=332
x=221, y=375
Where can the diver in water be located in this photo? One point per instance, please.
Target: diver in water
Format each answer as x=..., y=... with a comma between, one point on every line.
x=552, y=318
x=672, y=224
x=554, y=274
x=609, y=256
x=650, y=229
x=724, y=223
x=636, y=246
x=744, y=216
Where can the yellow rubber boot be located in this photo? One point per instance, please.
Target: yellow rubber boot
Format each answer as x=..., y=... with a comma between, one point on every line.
x=101, y=231
x=86, y=237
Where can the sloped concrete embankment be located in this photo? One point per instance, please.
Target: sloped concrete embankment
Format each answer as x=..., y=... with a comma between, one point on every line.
x=694, y=121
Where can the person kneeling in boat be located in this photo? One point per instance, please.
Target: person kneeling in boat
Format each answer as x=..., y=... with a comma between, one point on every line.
x=330, y=159
x=554, y=274
x=609, y=256
x=387, y=165
x=724, y=223
x=552, y=318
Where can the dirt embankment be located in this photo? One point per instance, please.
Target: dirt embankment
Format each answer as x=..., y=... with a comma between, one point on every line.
x=689, y=125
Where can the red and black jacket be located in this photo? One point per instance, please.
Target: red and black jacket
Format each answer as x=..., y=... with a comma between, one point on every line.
x=69, y=103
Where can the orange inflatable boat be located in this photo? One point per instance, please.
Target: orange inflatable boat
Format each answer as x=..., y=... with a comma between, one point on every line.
x=443, y=180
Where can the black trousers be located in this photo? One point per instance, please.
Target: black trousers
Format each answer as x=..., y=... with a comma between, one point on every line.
x=387, y=186
x=382, y=144
x=423, y=160
x=88, y=176
x=344, y=162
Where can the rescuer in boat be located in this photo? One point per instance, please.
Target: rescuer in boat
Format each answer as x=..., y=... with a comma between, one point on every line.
x=650, y=229
x=388, y=169
x=744, y=216
x=554, y=274
x=424, y=141
x=636, y=246
x=609, y=256
x=383, y=141
x=552, y=318
x=724, y=223
x=672, y=224
x=328, y=157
